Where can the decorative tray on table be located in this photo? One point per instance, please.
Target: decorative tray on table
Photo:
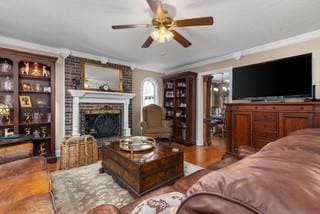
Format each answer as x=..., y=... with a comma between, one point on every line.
x=137, y=143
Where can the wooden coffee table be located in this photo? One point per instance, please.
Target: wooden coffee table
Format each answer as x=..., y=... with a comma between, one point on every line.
x=142, y=172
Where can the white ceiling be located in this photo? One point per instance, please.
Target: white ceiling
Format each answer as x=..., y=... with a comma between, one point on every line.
x=85, y=25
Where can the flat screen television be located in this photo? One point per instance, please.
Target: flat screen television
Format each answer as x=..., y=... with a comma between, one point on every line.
x=289, y=77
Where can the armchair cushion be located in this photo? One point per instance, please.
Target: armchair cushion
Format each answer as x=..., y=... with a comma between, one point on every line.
x=157, y=130
x=152, y=115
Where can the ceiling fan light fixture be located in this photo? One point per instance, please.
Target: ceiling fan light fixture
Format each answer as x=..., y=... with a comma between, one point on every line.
x=162, y=35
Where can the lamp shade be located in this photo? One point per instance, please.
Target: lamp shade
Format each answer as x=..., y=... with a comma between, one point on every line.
x=4, y=110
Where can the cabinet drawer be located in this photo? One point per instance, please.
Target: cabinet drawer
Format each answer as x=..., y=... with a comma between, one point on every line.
x=289, y=108
x=262, y=139
x=260, y=126
x=265, y=116
x=246, y=108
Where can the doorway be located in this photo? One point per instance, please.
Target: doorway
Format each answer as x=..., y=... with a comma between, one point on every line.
x=214, y=89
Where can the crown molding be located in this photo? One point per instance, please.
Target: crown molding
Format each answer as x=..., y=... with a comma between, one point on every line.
x=16, y=44
x=258, y=49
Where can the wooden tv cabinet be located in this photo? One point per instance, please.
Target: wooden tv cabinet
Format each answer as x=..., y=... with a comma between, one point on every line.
x=257, y=124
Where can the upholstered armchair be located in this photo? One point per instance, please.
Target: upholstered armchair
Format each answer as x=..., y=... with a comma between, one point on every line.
x=154, y=123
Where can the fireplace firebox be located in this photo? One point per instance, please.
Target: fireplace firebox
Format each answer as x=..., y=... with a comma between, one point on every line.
x=103, y=123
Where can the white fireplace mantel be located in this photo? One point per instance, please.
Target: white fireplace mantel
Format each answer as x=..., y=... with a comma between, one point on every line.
x=86, y=96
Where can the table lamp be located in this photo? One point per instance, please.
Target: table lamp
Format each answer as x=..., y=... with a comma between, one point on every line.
x=5, y=111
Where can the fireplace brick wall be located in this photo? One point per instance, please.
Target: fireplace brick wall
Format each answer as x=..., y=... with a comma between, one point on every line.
x=73, y=71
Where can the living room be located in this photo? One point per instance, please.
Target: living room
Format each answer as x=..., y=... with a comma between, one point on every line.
x=158, y=106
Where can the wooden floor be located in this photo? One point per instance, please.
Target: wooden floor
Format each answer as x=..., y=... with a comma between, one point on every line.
x=199, y=155
x=204, y=155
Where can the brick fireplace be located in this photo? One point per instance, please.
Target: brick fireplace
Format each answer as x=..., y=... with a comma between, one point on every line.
x=99, y=97
x=74, y=81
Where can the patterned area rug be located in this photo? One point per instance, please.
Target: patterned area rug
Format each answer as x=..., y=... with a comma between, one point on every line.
x=80, y=189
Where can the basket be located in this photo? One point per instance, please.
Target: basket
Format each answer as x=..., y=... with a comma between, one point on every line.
x=78, y=151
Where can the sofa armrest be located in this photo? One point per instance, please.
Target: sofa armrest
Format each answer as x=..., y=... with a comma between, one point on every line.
x=245, y=151
x=105, y=209
x=226, y=160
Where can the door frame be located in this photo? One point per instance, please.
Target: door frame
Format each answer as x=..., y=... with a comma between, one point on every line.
x=200, y=100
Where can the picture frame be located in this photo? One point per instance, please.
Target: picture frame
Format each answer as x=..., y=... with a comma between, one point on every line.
x=25, y=101
x=97, y=75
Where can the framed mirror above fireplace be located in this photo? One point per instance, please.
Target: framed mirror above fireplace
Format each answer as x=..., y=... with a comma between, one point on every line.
x=102, y=77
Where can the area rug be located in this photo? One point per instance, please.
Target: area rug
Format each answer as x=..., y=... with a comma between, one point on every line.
x=80, y=189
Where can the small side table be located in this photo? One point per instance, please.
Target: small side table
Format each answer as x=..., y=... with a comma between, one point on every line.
x=12, y=149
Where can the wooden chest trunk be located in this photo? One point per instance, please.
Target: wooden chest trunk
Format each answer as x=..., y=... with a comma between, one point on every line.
x=142, y=172
x=78, y=151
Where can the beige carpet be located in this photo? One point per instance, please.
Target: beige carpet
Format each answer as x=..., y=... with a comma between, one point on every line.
x=80, y=189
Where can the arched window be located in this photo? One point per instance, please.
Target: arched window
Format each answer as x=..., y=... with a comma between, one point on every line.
x=149, y=92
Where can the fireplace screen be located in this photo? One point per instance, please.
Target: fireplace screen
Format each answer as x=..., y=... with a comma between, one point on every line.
x=103, y=123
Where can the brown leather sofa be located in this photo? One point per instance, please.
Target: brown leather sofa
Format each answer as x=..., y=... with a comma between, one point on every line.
x=283, y=177
x=25, y=185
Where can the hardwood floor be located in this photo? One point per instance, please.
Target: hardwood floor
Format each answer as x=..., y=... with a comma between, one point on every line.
x=199, y=155
x=204, y=155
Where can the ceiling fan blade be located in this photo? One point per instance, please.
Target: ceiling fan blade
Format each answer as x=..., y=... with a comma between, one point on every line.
x=147, y=43
x=157, y=8
x=181, y=39
x=117, y=27
x=195, y=22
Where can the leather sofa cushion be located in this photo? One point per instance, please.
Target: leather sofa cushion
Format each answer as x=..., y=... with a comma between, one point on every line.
x=128, y=208
x=226, y=161
x=15, y=152
x=285, y=178
x=183, y=184
x=207, y=202
x=15, y=188
x=38, y=204
x=24, y=166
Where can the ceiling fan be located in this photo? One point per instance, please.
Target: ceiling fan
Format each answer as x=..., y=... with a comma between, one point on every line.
x=164, y=25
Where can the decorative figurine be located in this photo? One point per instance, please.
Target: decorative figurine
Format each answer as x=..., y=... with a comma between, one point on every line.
x=42, y=150
x=8, y=100
x=7, y=84
x=25, y=70
x=36, y=134
x=5, y=67
x=44, y=131
x=27, y=130
x=36, y=117
x=8, y=133
x=45, y=72
x=36, y=71
x=27, y=117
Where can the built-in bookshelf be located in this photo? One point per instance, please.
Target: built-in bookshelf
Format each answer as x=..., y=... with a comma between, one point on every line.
x=27, y=89
x=180, y=104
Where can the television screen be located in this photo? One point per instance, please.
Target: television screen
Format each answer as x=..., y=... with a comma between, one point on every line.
x=290, y=77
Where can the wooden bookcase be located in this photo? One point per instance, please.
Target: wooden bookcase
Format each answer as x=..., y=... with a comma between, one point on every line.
x=31, y=98
x=180, y=103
